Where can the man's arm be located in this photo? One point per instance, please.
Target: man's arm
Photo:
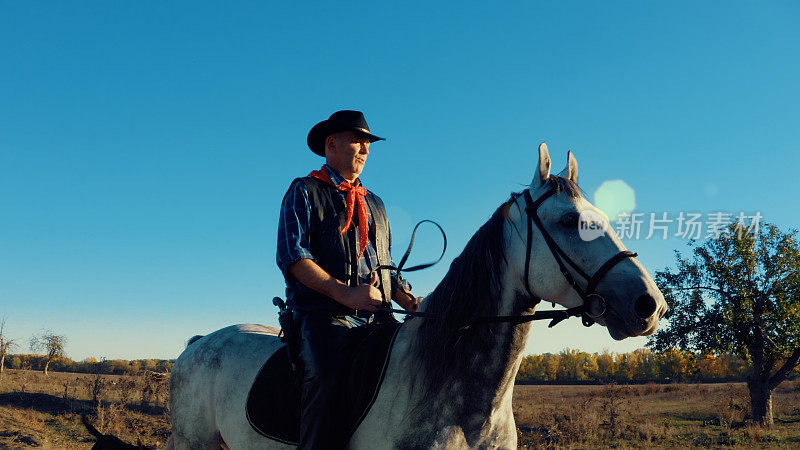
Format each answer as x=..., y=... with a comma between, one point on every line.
x=363, y=297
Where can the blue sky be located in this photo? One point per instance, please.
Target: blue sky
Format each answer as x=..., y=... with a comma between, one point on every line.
x=145, y=147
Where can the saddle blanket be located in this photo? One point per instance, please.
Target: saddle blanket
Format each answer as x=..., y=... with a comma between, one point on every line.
x=273, y=404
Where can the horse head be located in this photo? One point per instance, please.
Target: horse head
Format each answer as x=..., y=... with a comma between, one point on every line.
x=570, y=255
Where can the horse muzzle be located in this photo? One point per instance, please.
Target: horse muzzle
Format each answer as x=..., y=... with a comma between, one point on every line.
x=636, y=317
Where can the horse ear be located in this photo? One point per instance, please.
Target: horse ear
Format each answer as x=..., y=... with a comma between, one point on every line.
x=571, y=171
x=543, y=170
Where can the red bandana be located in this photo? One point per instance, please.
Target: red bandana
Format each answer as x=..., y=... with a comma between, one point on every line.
x=355, y=194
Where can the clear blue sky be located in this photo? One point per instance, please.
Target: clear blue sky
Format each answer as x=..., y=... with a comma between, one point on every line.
x=145, y=146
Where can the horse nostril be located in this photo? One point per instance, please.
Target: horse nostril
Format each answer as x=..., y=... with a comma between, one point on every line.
x=645, y=306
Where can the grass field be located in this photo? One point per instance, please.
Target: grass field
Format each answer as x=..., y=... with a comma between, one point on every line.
x=45, y=411
x=39, y=411
x=652, y=415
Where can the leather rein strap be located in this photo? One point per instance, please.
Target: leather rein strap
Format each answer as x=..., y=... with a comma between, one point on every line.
x=586, y=311
x=400, y=267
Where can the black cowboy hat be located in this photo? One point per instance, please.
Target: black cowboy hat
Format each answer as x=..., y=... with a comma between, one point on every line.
x=336, y=123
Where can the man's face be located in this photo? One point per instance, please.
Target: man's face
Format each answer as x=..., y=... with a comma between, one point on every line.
x=347, y=152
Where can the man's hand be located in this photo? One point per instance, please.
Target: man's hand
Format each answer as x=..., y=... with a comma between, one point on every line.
x=406, y=300
x=365, y=297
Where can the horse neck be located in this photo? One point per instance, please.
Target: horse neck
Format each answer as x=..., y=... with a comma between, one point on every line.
x=469, y=371
x=474, y=397
x=495, y=351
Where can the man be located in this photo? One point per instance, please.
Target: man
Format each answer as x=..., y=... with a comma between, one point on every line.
x=332, y=235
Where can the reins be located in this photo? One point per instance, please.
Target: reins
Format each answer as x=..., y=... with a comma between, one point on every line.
x=555, y=316
x=588, y=311
x=400, y=267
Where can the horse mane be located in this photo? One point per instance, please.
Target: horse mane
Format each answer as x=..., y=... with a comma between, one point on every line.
x=470, y=289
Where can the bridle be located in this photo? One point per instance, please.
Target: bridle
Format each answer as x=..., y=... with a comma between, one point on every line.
x=594, y=305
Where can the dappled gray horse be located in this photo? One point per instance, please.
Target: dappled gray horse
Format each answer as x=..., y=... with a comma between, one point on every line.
x=449, y=381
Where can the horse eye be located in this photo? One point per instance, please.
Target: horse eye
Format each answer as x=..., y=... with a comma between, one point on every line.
x=569, y=220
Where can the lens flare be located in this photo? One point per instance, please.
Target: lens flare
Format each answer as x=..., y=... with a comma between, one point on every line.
x=615, y=197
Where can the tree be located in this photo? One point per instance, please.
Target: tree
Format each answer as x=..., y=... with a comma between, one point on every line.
x=49, y=343
x=647, y=367
x=606, y=365
x=576, y=365
x=531, y=368
x=739, y=294
x=709, y=366
x=6, y=345
x=552, y=366
x=674, y=364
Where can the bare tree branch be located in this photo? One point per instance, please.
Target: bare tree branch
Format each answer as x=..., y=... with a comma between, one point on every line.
x=51, y=344
x=787, y=367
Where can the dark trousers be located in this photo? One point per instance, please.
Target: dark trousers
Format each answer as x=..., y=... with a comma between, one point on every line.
x=321, y=339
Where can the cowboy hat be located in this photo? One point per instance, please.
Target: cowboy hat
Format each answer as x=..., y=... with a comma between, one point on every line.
x=339, y=121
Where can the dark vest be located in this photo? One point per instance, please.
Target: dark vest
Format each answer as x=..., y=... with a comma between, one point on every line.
x=336, y=253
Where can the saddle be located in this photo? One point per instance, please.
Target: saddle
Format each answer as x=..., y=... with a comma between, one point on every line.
x=273, y=404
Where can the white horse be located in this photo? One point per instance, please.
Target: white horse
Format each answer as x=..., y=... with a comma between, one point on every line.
x=449, y=382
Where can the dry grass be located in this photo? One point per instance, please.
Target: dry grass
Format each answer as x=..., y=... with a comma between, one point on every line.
x=39, y=411
x=672, y=415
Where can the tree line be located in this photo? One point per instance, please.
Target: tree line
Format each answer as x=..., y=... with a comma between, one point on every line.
x=642, y=365
x=567, y=366
x=88, y=365
x=51, y=345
